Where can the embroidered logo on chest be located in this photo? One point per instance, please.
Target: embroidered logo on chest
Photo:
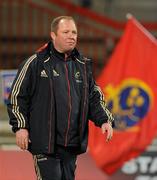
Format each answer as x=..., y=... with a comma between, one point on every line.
x=55, y=73
x=78, y=77
x=43, y=74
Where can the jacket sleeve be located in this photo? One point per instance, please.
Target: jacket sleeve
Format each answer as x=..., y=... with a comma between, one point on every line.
x=19, y=98
x=98, y=111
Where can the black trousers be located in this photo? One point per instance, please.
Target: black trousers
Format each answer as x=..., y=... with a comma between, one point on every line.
x=59, y=166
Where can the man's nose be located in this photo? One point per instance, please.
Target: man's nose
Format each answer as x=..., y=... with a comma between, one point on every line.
x=71, y=35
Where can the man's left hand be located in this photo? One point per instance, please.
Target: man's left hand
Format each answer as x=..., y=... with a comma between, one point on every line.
x=106, y=127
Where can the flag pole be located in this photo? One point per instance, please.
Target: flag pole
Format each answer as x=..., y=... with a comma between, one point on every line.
x=129, y=16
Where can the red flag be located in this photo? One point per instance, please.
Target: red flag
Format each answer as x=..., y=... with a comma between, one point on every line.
x=129, y=83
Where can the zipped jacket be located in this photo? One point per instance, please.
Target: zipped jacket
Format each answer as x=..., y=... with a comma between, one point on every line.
x=31, y=104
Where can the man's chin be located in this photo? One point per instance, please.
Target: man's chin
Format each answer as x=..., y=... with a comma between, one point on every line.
x=69, y=50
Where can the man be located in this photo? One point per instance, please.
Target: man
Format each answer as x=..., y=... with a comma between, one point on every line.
x=52, y=98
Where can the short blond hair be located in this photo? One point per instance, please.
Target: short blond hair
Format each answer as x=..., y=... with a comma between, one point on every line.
x=55, y=22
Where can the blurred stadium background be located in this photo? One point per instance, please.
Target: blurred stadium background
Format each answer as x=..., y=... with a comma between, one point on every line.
x=25, y=26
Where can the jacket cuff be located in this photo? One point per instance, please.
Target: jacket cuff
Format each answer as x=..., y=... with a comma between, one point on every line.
x=15, y=129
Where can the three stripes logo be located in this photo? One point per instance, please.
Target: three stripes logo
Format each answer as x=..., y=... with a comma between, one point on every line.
x=16, y=91
x=43, y=74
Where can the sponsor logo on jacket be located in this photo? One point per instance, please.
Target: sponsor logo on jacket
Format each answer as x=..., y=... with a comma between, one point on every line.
x=43, y=74
x=55, y=73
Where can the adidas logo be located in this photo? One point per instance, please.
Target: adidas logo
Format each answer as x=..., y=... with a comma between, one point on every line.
x=55, y=74
x=43, y=74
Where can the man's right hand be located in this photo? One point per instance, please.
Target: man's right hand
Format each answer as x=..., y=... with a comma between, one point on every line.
x=22, y=138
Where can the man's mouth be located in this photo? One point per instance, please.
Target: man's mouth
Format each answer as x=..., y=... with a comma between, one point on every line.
x=71, y=42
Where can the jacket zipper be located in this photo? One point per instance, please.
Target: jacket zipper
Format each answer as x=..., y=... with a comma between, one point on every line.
x=69, y=105
x=50, y=124
x=85, y=97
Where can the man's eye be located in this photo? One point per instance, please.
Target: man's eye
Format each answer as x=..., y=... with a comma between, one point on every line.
x=74, y=32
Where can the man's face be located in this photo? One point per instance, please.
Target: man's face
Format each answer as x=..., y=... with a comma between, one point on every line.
x=65, y=38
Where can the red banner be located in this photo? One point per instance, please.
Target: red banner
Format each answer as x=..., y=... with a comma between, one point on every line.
x=129, y=83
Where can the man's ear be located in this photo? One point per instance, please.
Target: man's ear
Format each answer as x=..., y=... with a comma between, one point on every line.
x=53, y=35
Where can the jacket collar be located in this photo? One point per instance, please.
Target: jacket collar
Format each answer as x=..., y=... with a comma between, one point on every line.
x=48, y=50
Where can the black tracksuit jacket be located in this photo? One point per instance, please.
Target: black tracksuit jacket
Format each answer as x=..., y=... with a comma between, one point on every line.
x=53, y=98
